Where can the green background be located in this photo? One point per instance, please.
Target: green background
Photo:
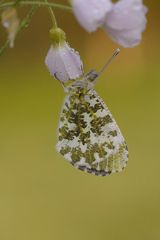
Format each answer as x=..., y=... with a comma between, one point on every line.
x=41, y=195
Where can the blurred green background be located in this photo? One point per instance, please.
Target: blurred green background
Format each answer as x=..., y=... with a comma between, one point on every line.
x=41, y=195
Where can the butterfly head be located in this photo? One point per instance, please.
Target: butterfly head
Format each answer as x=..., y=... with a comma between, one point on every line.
x=82, y=84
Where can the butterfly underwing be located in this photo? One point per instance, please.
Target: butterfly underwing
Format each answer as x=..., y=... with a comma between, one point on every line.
x=88, y=136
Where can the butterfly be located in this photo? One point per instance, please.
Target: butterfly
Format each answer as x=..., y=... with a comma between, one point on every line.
x=88, y=136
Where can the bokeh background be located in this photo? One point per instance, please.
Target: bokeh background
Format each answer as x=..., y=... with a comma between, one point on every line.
x=41, y=195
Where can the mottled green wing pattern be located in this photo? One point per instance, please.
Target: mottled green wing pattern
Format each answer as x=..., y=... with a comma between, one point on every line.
x=89, y=137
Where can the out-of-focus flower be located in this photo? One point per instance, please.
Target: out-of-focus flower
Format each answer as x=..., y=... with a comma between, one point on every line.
x=126, y=22
x=63, y=62
x=10, y=21
x=91, y=13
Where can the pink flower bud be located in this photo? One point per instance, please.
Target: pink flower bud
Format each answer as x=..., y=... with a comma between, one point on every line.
x=64, y=62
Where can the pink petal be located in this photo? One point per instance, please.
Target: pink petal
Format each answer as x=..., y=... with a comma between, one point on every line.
x=126, y=38
x=126, y=22
x=64, y=63
x=91, y=13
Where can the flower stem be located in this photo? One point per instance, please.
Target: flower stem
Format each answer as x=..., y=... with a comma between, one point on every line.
x=53, y=18
x=16, y=2
x=37, y=3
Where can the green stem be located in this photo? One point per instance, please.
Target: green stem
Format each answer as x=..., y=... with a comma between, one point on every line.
x=53, y=18
x=37, y=3
x=16, y=2
x=23, y=24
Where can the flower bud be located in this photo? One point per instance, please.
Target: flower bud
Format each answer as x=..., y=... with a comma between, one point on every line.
x=63, y=62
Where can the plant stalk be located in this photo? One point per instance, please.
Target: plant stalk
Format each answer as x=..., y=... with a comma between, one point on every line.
x=37, y=3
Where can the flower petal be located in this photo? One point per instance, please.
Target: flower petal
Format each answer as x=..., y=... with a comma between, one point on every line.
x=126, y=22
x=91, y=13
x=126, y=38
x=64, y=63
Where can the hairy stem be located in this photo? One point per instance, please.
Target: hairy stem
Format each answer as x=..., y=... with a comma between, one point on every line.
x=37, y=3
x=23, y=24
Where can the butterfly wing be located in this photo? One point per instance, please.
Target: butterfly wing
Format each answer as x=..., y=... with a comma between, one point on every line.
x=89, y=137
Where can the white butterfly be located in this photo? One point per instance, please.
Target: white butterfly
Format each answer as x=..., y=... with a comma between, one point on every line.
x=89, y=137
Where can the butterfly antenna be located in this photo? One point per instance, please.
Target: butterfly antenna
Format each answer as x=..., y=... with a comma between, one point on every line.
x=116, y=52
